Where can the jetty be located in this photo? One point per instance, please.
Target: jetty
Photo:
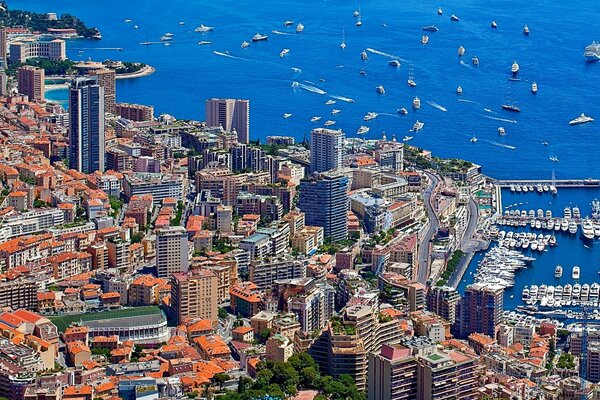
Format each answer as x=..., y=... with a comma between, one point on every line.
x=563, y=183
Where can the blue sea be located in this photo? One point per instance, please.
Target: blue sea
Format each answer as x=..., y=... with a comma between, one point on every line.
x=187, y=74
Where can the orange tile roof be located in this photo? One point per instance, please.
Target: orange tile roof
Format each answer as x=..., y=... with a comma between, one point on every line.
x=242, y=330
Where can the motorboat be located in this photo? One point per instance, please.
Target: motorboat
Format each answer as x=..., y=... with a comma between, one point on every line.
x=315, y=119
x=514, y=69
x=430, y=28
x=501, y=131
x=336, y=111
x=576, y=272
x=494, y=25
x=534, y=87
x=394, y=63
x=588, y=229
x=370, y=115
x=407, y=138
x=97, y=35
x=592, y=52
x=416, y=104
x=475, y=61
x=364, y=56
x=287, y=115
x=329, y=123
x=203, y=28
x=461, y=51
x=165, y=38
x=363, y=130
x=459, y=90
x=167, y=43
x=582, y=119
x=284, y=52
x=553, y=190
x=258, y=37
x=417, y=126
x=402, y=111
x=526, y=30
x=330, y=102
x=288, y=23
x=572, y=227
x=454, y=18
x=358, y=22
x=424, y=39
x=356, y=14
x=576, y=213
x=299, y=27
x=380, y=89
x=439, y=11
x=168, y=34
x=245, y=44
x=473, y=139
x=204, y=43
x=511, y=107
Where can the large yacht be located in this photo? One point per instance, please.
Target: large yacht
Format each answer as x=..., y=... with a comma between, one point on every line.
x=461, y=51
x=416, y=104
x=514, y=68
x=203, y=28
x=258, y=37
x=370, y=116
x=299, y=27
x=592, y=52
x=558, y=271
x=417, y=126
x=362, y=130
x=588, y=229
x=576, y=272
x=582, y=119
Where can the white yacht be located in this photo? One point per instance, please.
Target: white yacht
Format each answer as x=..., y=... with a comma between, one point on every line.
x=315, y=119
x=330, y=102
x=494, y=25
x=394, y=63
x=553, y=190
x=424, y=39
x=402, y=111
x=572, y=227
x=284, y=52
x=356, y=13
x=454, y=18
x=363, y=130
x=588, y=229
x=245, y=44
x=501, y=131
x=526, y=30
x=567, y=213
x=203, y=28
x=299, y=27
x=592, y=52
x=576, y=272
x=459, y=90
x=582, y=119
x=576, y=212
x=564, y=225
x=288, y=23
x=336, y=111
x=380, y=89
x=416, y=104
x=473, y=139
x=534, y=87
x=165, y=38
x=558, y=271
x=407, y=138
x=514, y=69
x=475, y=60
x=258, y=37
x=370, y=115
x=461, y=51
x=439, y=11
x=364, y=56
x=329, y=123
x=287, y=115
x=204, y=43
x=417, y=126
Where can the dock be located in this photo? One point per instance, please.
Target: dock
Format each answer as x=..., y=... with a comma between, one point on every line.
x=558, y=183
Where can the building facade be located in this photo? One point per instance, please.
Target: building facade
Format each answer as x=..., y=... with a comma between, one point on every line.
x=231, y=114
x=31, y=82
x=326, y=148
x=172, y=251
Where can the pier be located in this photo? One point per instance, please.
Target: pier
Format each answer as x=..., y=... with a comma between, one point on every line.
x=558, y=183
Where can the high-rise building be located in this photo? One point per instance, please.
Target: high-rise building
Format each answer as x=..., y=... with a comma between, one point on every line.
x=86, y=125
x=481, y=309
x=448, y=375
x=31, y=82
x=231, y=114
x=324, y=201
x=3, y=47
x=107, y=79
x=392, y=374
x=326, y=146
x=194, y=295
x=172, y=251
x=443, y=301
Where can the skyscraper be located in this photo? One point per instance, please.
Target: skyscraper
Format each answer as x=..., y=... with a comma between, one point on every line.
x=171, y=251
x=31, y=82
x=231, y=114
x=443, y=301
x=392, y=374
x=107, y=79
x=324, y=201
x=481, y=309
x=326, y=146
x=86, y=125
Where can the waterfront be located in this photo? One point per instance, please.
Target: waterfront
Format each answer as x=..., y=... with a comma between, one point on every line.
x=551, y=55
x=570, y=251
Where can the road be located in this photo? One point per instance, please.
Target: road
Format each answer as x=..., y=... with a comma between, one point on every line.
x=468, y=244
x=433, y=227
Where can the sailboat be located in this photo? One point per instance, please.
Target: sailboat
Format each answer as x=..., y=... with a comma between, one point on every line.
x=509, y=105
x=411, y=79
x=343, y=44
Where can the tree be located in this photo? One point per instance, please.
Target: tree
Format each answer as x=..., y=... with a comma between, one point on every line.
x=220, y=379
x=222, y=313
x=137, y=237
x=243, y=384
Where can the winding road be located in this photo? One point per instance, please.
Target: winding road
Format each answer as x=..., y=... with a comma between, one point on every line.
x=433, y=227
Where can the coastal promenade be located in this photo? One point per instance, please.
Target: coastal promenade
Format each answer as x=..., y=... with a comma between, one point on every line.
x=556, y=182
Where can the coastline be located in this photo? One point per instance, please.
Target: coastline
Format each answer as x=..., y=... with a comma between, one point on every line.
x=145, y=71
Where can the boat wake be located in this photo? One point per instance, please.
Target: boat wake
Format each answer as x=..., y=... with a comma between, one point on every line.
x=467, y=101
x=220, y=53
x=506, y=146
x=464, y=64
x=276, y=32
x=381, y=53
x=510, y=121
x=346, y=99
x=390, y=115
x=309, y=88
x=297, y=70
x=436, y=105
